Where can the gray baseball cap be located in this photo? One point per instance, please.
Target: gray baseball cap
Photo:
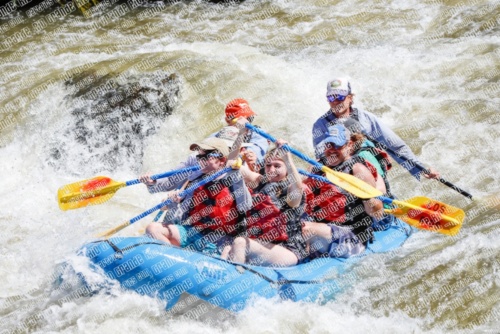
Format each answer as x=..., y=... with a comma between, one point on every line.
x=211, y=143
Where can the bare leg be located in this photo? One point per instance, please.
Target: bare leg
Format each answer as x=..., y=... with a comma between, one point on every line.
x=270, y=255
x=225, y=252
x=238, y=250
x=318, y=235
x=260, y=254
x=165, y=232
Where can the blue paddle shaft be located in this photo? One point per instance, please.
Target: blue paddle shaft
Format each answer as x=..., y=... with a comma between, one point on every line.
x=188, y=191
x=286, y=147
x=166, y=174
x=158, y=216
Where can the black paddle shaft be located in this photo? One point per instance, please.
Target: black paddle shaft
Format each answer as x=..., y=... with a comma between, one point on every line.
x=422, y=168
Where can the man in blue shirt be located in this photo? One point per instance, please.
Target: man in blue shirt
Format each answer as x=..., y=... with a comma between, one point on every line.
x=340, y=98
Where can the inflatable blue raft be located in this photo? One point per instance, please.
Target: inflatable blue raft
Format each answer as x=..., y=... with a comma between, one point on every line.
x=192, y=282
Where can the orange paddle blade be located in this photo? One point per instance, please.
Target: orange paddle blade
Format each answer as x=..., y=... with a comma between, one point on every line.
x=429, y=214
x=87, y=192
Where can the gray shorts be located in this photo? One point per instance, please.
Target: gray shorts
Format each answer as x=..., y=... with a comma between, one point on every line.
x=344, y=242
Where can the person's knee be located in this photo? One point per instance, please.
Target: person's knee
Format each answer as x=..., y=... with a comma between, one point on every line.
x=306, y=231
x=309, y=231
x=154, y=230
x=240, y=242
x=225, y=251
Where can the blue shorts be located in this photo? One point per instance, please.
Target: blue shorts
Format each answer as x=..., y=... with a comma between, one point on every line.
x=191, y=239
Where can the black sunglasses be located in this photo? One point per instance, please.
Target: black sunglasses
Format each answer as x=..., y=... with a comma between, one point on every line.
x=211, y=154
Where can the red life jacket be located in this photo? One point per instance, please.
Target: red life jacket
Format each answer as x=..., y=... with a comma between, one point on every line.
x=356, y=216
x=347, y=210
x=271, y=219
x=324, y=201
x=213, y=207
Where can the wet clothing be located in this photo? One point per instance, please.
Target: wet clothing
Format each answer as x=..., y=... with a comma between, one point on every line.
x=271, y=219
x=219, y=206
x=344, y=213
x=372, y=127
x=345, y=243
x=356, y=217
x=212, y=212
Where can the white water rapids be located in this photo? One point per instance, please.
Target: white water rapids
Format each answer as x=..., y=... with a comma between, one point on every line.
x=428, y=69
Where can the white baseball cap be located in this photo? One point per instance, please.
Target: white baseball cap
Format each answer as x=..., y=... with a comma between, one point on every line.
x=338, y=86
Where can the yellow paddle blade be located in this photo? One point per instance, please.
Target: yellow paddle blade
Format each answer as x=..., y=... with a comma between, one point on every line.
x=87, y=192
x=429, y=214
x=351, y=184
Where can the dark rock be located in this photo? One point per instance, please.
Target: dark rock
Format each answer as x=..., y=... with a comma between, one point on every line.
x=112, y=117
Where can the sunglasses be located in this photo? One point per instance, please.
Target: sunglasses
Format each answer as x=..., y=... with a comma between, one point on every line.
x=333, y=146
x=209, y=155
x=333, y=98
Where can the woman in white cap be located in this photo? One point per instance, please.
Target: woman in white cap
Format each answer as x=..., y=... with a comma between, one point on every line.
x=340, y=98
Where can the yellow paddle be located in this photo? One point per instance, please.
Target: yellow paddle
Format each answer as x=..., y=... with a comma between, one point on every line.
x=421, y=212
x=183, y=193
x=345, y=181
x=450, y=218
x=100, y=189
x=428, y=214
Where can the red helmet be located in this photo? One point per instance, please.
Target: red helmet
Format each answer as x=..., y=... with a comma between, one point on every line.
x=238, y=108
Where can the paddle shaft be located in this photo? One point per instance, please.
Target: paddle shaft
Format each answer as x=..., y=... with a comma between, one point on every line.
x=103, y=190
x=160, y=212
x=166, y=174
x=419, y=166
x=345, y=181
x=317, y=164
x=188, y=191
x=286, y=147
